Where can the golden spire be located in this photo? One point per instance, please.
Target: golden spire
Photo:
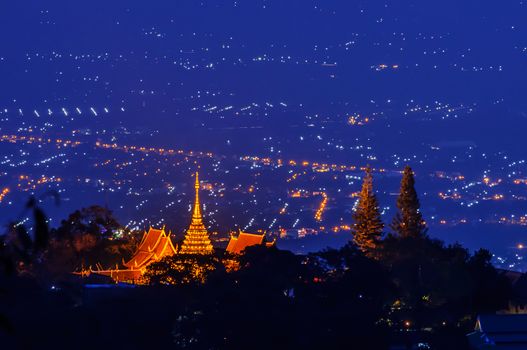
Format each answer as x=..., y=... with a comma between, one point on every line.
x=197, y=239
x=197, y=219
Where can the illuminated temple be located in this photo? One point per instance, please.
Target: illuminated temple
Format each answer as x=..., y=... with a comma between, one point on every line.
x=154, y=246
x=197, y=239
x=238, y=244
x=157, y=244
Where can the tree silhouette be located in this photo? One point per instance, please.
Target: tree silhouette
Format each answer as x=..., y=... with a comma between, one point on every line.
x=367, y=227
x=408, y=221
x=20, y=251
x=88, y=237
x=94, y=220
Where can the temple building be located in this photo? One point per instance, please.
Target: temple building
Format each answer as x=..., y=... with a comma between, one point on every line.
x=154, y=246
x=157, y=244
x=238, y=244
x=197, y=239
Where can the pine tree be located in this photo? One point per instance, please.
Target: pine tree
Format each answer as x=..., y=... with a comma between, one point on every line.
x=408, y=222
x=367, y=225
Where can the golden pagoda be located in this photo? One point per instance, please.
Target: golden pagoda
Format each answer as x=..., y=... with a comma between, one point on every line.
x=197, y=239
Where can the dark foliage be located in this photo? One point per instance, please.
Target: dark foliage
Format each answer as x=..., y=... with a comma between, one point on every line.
x=90, y=237
x=408, y=221
x=185, y=269
x=439, y=284
x=367, y=227
x=413, y=289
x=21, y=250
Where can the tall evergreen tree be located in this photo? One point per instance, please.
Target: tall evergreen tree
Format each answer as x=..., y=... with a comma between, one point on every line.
x=408, y=222
x=367, y=225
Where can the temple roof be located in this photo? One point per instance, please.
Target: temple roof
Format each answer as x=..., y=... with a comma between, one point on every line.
x=238, y=244
x=154, y=246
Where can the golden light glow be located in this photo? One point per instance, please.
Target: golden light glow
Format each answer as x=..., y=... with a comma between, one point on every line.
x=322, y=206
x=197, y=239
x=4, y=193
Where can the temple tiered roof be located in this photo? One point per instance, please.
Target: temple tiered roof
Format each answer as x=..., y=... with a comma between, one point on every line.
x=197, y=239
x=154, y=246
x=238, y=244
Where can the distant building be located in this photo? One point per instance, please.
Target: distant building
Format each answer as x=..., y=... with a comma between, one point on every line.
x=499, y=332
x=238, y=244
